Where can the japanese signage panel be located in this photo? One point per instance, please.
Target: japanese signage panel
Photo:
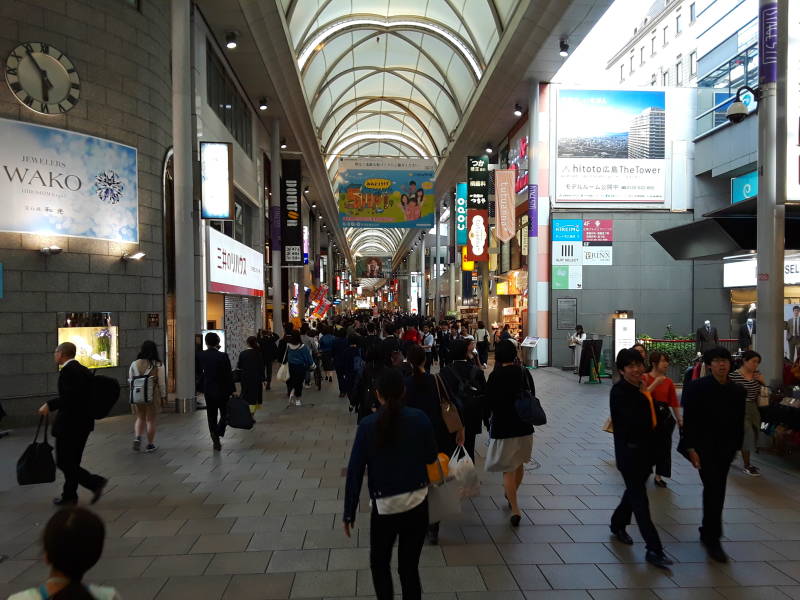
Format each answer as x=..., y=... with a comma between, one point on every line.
x=477, y=208
x=386, y=193
x=597, y=254
x=233, y=268
x=598, y=230
x=505, y=198
x=744, y=187
x=567, y=253
x=57, y=182
x=566, y=277
x=567, y=230
x=611, y=147
x=461, y=214
x=291, y=221
x=216, y=180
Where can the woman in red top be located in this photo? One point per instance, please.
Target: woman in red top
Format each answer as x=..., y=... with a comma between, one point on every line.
x=662, y=390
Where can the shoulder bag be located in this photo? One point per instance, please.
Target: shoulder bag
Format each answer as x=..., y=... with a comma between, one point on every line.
x=444, y=497
x=527, y=405
x=450, y=414
x=283, y=371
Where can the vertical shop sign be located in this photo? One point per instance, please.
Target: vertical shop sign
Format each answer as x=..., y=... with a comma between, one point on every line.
x=504, y=191
x=792, y=91
x=291, y=222
x=533, y=210
x=461, y=214
x=768, y=43
x=477, y=208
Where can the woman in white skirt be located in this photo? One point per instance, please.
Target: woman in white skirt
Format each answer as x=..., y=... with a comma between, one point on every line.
x=511, y=439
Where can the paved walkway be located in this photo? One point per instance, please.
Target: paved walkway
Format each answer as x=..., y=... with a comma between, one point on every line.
x=261, y=519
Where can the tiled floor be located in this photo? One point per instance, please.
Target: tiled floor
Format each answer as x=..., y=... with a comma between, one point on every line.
x=261, y=519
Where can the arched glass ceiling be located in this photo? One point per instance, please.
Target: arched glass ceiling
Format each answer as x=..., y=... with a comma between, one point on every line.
x=391, y=77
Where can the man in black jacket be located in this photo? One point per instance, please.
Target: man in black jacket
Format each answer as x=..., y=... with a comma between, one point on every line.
x=268, y=343
x=72, y=426
x=713, y=431
x=216, y=376
x=636, y=445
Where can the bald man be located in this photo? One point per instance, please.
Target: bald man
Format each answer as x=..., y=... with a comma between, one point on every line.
x=72, y=426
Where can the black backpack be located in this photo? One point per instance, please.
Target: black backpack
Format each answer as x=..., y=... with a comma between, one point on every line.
x=104, y=393
x=468, y=396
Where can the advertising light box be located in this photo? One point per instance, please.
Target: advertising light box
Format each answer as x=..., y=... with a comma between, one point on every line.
x=233, y=268
x=216, y=180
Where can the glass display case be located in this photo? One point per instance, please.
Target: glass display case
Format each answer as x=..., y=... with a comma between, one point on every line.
x=95, y=337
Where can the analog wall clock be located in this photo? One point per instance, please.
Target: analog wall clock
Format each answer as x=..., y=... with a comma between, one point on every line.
x=42, y=78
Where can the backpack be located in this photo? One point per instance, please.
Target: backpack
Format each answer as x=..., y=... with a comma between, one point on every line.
x=467, y=395
x=104, y=393
x=142, y=390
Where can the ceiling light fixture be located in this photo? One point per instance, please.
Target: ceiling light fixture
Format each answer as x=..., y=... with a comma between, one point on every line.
x=231, y=40
x=351, y=21
x=314, y=205
x=517, y=110
x=50, y=250
x=489, y=148
x=305, y=191
x=135, y=256
x=262, y=104
x=564, y=48
x=283, y=144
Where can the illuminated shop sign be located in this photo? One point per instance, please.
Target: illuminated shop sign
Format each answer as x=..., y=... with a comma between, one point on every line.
x=233, y=268
x=216, y=180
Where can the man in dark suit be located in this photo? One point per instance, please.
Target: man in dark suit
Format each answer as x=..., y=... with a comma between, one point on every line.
x=268, y=343
x=706, y=338
x=72, y=426
x=713, y=431
x=216, y=382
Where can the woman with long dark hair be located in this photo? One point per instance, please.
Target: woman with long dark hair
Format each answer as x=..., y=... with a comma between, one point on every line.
x=251, y=366
x=73, y=543
x=424, y=392
x=393, y=445
x=148, y=363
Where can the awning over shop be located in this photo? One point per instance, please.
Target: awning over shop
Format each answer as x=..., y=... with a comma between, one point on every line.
x=724, y=232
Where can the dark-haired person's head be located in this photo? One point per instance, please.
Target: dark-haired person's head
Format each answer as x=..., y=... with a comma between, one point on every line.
x=287, y=327
x=73, y=543
x=628, y=357
x=459, y=348
x=149, y=351
x=353, y=339
x=656, y=359
x=718, y=361
x=751, y=360
x=375, y=353
x=718, y=353
x=371, y=328
x=750, y=355
x=212, y=340
x=293, y=337
x=579, y=328
x=391, y=395
x=252, y=341
x=504, y=352
x=416, y=356
x=389, y=329
x=480, y=325
x=641, y=350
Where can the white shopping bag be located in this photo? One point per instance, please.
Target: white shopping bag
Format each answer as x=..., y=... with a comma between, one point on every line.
x=463, y=469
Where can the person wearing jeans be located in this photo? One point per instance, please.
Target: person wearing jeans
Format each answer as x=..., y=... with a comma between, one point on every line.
x=393, y=445
x=636, y=449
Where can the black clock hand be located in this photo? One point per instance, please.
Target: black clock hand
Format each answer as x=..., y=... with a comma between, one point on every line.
x=46, y=85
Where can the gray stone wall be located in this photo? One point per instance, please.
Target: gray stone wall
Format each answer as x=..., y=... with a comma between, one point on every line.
x=643, y=278
x=122, y=56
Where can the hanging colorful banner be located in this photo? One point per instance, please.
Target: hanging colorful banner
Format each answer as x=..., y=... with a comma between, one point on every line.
x=461, y=214
x=477, y=208
x=386, y=193
x=291, y=221
x=504, y=199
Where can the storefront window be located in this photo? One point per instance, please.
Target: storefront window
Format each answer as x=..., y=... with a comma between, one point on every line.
x=722, y=83
x=225, y=100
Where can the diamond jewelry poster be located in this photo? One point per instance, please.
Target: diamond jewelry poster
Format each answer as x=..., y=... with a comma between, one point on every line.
x=56, y=182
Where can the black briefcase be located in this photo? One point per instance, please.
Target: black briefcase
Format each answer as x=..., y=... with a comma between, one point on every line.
x=239, y=415
x=36, y=465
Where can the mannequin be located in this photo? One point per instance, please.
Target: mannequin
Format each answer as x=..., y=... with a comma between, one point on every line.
x=706, y=338
x=746, y=333
x=792, y=327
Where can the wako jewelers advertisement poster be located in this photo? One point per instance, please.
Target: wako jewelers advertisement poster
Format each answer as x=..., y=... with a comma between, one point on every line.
x=56, y=182
x=611, y=146
x=386, y=192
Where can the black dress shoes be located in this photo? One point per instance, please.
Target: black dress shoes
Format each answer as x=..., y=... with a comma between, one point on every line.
x=622, y=536
x=98, y=491
x=715, y=551
x=515, y=520
x=215, y=441
x=65, y=501
x=658, y=559
x=660, y=483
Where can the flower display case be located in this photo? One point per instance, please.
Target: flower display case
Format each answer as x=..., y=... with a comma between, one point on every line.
x=95, y=337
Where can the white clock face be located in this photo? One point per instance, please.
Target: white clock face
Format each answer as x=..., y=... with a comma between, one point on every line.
x=42, y=78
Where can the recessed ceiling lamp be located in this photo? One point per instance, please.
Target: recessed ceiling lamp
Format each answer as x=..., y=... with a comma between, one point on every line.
x=489, y=148
x=564, y=48
x=314, y=205
x=283, y=144
x=517, y=110
x=262, y=104
x=231, y=40
x=305, y=191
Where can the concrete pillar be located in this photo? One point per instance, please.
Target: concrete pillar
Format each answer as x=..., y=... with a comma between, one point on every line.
x=435, y=272
x=275, y=224
x=422, y=286
x=184, y=200
x=533, y=242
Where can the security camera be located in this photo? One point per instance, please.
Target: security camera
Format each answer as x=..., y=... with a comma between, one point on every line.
x=737, y=112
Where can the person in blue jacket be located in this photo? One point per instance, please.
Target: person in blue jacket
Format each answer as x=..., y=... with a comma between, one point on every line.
x=394, y=445
x=300, y=360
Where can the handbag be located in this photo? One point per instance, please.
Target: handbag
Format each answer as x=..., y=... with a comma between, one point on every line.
x=239, y=415
x=450, y=414
x=527, y=405
x=444, y=498
x=283, y=370
x=36, y=465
